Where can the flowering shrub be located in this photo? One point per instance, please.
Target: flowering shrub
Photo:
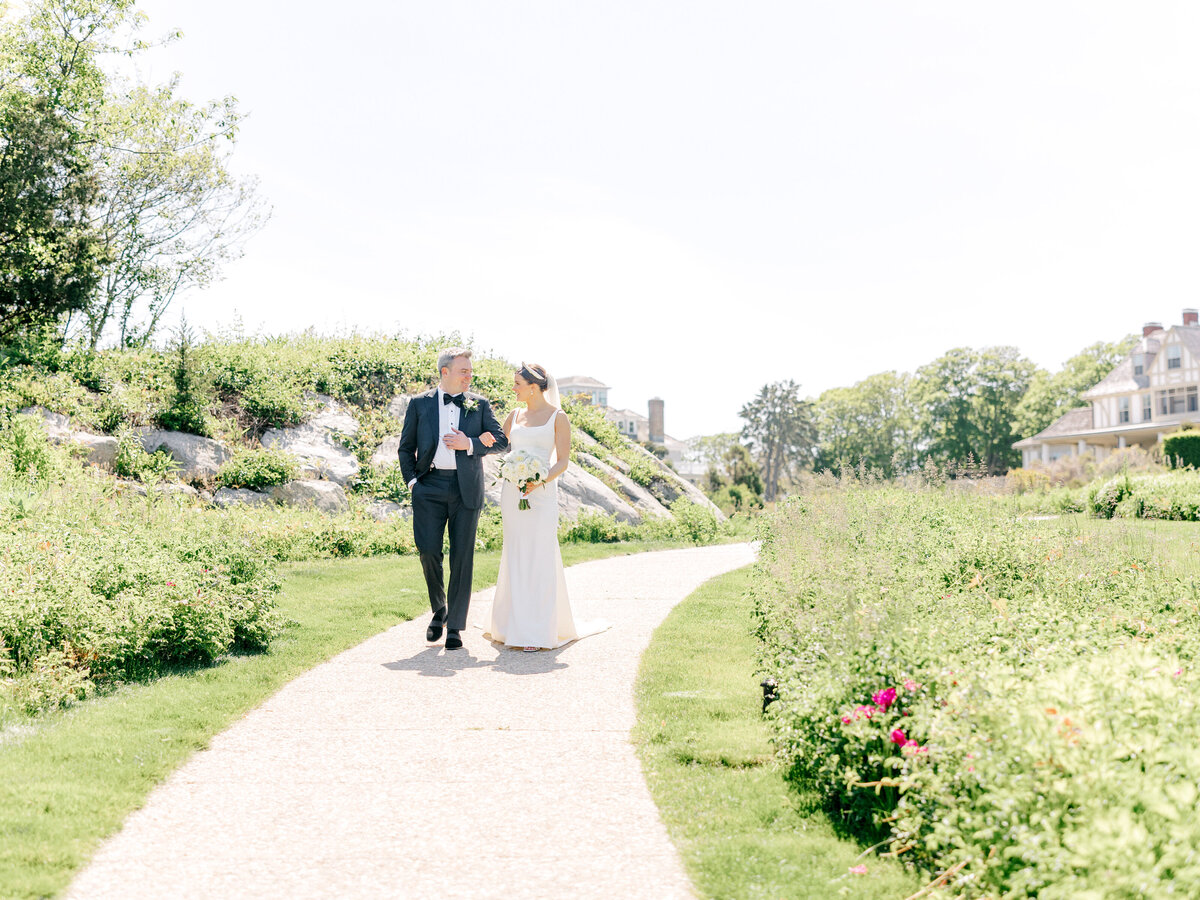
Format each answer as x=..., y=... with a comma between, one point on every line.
x=1009, y=701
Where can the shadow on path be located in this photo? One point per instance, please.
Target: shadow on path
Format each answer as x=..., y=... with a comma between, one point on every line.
x=435, y=662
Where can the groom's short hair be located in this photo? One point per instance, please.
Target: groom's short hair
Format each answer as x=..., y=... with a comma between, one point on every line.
x=449, y=355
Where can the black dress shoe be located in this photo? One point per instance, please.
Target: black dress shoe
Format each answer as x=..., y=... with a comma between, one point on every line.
x=453, y=641
x=433, y=632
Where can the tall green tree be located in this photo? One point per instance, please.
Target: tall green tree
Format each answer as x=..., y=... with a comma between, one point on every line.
x=781, y=431
x=50, y=251
x=163, y=213
x=1049, y=396
x=870, y=422
x=966, y=405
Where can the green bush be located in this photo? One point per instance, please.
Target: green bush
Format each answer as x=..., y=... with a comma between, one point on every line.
x=1009, y=699
x=24, y=450
x=1182, y=449
x=132, y=461
x=595, y=528
x=257, y=468
x=1103, y=498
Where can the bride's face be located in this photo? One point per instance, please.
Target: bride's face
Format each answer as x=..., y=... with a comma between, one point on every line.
x=522, y=388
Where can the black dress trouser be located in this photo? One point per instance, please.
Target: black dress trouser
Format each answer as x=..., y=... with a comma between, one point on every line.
x=437, y=503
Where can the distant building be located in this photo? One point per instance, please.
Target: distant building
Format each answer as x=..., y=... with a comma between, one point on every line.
x=582, y=385
x=1149, y=394
x=648, y=429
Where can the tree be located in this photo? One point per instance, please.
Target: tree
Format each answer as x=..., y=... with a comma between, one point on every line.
x=172, y=212
x=49, y=250
x=1049, y=396
x=781, y=432
x=966, y=403
x=163, y=212
x=729, y=461
x=869, y=423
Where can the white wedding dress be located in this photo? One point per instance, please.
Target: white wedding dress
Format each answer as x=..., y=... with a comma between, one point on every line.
x=531, y=606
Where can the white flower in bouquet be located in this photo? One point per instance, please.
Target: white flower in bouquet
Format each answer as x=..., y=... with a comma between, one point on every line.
x=522, y=469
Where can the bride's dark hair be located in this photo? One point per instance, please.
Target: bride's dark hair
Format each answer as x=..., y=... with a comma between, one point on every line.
x=534, y=374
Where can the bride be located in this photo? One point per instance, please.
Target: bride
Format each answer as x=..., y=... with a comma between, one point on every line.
x=531, y=609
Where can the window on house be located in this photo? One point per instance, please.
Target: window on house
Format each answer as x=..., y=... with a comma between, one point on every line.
x=1173, y=401
x=1174, y=356
x=1147, y=408
x=1191, y=399
x=1123, y=409
x=1139, y=364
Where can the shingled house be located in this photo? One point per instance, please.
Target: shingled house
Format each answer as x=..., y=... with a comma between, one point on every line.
x=1149, y=394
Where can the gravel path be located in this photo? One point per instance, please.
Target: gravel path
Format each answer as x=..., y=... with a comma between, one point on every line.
x=400, y=770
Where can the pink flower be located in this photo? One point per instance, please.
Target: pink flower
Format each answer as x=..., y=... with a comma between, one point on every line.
x=846, y=720
x=910, y=685
x=864, y=712
x=858, y=870
x=884, y=699
x=912, y=747
x=1178, y=672
x=898, y=737
x=170, y=584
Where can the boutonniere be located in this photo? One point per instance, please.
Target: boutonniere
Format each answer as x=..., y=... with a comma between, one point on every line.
x=470, y=404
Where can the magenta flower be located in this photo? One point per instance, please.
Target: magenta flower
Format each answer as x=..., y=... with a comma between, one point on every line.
x=170, y=584
x=898, y=737
x=846, y=720
x=884, y=699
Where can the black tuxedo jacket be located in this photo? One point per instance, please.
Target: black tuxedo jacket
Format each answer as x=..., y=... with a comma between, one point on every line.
x=420, y=434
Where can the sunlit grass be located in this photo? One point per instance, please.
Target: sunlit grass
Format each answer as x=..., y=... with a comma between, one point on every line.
x=742, y=832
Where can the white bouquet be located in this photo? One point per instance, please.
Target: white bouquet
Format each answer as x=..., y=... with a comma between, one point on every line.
x=522, y=469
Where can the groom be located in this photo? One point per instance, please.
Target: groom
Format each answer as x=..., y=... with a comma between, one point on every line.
x=441, y=458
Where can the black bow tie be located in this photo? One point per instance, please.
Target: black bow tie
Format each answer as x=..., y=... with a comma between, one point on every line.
x=457, y=400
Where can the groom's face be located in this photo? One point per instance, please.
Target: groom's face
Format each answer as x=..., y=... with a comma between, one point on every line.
x=456, y=377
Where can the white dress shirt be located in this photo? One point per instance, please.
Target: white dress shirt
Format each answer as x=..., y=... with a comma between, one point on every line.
x=448, y=417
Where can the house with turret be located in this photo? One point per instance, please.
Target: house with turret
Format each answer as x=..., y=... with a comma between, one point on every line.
x=1150, y=393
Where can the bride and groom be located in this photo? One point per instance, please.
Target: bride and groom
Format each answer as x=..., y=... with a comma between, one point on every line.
x=447, y=432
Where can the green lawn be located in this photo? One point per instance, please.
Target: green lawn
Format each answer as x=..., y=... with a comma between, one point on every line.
x=742, y=832
x=69, y=779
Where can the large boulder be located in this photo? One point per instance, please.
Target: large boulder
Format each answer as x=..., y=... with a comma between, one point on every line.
x=382, y=510
x=333, y=416
x=315, y=443
x=578, y=491
x=98, y=449
x=388, y=453
x=324, y=496
x=636, y=495
x=227, y=497
x=58, y=426
x=399, y=406
x=199, y=458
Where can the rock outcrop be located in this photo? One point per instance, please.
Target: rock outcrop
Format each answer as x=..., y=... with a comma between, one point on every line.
x=324, y=496
x=227, y=497
x=199, y=458
x=315, y=443
x=98, y=449
x=577, y=491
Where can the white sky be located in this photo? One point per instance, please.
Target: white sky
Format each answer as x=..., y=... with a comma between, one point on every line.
x=692, y=199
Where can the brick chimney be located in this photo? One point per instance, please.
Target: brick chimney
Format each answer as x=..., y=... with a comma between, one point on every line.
x=1150, y=327
x=1191, y=317
x=658, y=430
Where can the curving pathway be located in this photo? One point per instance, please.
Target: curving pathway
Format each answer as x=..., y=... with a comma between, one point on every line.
x=398, y=770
